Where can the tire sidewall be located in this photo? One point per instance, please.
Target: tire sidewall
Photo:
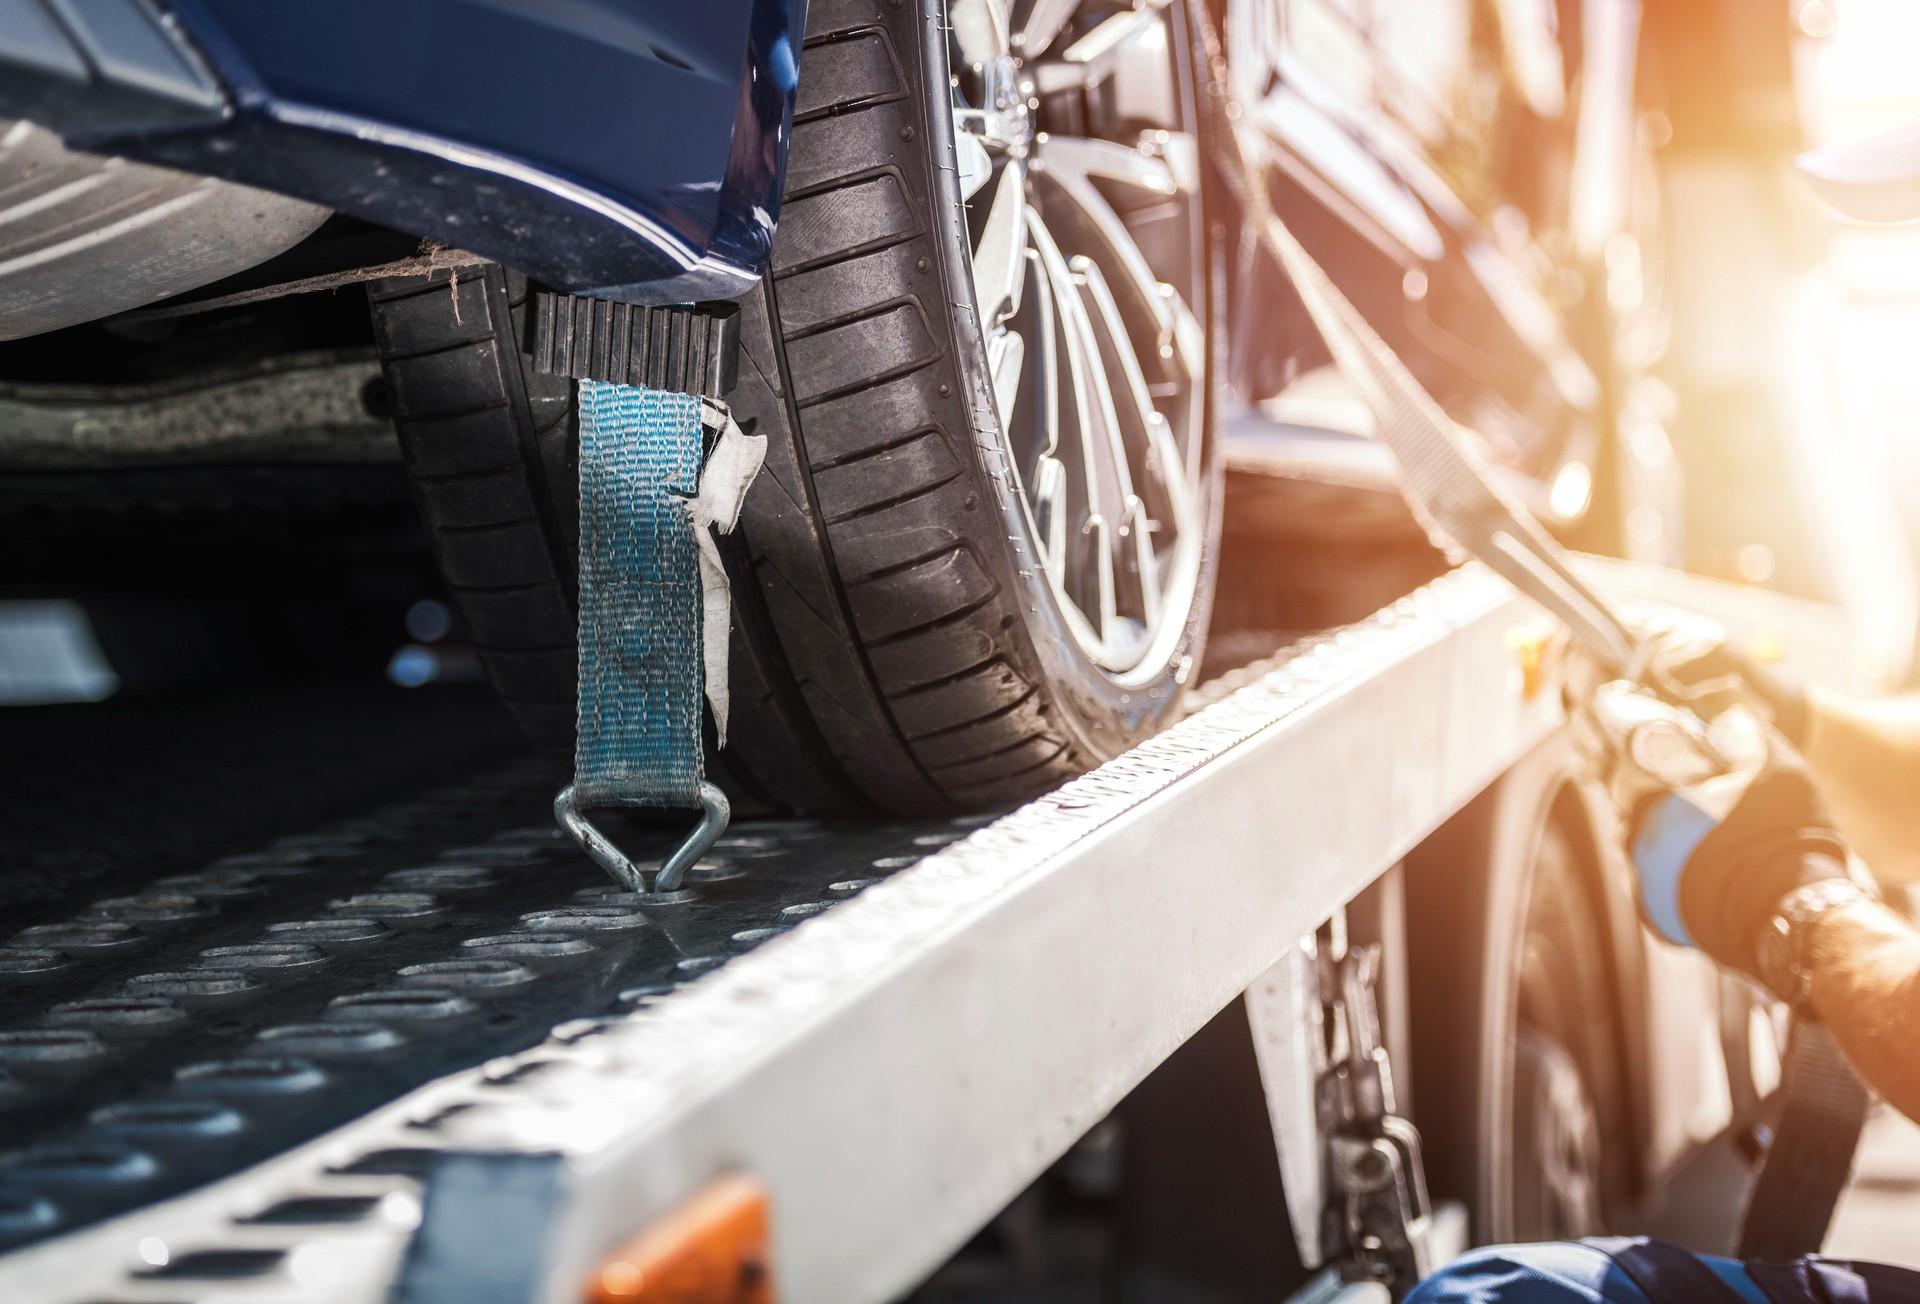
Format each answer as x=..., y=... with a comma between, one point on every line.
x=1471, y=888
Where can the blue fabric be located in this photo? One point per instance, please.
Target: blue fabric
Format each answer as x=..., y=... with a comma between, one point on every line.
x=640, y=664
x=1554, y=1272
x=1820, y=1280
x=1673, y=830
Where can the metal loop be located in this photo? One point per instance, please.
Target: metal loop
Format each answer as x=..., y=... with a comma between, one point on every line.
x=715, y=812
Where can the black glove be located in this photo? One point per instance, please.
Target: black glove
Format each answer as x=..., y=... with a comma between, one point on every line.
x=1716, y=858
x=1700, y=669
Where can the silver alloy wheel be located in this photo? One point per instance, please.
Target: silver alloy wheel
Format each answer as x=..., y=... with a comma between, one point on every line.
x=1075, y=145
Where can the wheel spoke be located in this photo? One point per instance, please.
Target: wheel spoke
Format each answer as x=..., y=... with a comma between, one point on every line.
x=1118, y=352
x=1092, y=398
x=1127, y=412
x=999, y=260
x=1168, y=470
x=1051, y=491
x=1087, y=576
x=1107, y=605
x=1049, y=357
x=1088, y=61
x=979, y=29
x=1138, y=526
x=1180, y=151
x=1006, y=358
x=1129, y=418
x=1070, y=163
x=975, y=164
x=1044, y=20
x=1050, y=514
x=1169, y=487
x=1072, y=159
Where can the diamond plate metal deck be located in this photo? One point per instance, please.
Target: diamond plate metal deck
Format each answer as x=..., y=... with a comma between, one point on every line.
x=895, y=1068
x=160, y=1039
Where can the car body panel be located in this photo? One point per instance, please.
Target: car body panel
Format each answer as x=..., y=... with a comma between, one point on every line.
x=636, y=150
x=82, y=236
x=632, y=150
x=1431, y=218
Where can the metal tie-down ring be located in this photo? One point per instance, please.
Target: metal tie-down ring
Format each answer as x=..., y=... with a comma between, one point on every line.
x=715, y=812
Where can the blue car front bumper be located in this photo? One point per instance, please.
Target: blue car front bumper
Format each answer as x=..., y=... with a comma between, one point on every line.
x=631, y=149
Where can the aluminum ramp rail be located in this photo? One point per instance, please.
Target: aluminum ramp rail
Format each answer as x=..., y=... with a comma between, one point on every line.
x=897, y=1068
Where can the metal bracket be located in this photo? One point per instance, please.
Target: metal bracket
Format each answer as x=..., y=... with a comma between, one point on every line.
x=686, y=349
x=715, y=812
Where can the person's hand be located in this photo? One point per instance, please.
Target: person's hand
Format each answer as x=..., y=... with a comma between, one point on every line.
x=1695, y=664
x=1715, y=857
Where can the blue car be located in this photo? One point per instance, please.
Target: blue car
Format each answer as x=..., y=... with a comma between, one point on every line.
x=295, y=300
x=967, y=264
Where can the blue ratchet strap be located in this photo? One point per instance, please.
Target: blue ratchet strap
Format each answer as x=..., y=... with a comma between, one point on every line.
x=1673, y=831
x=1597, y=1271
x=640, y=624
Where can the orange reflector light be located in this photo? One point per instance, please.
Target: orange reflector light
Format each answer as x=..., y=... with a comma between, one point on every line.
x=1767, y=645
x=714, y=1249
x=1539, y=648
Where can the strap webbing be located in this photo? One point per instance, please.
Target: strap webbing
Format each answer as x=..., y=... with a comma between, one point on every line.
x=1665, y=1274
x=1835, y=1281
x=1823, y=1107
x=640, y=605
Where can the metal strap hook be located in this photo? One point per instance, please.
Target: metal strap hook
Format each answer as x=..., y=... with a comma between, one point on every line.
x=715, y=812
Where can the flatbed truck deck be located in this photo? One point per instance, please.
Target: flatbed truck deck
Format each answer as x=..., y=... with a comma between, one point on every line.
x=888, y=1030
